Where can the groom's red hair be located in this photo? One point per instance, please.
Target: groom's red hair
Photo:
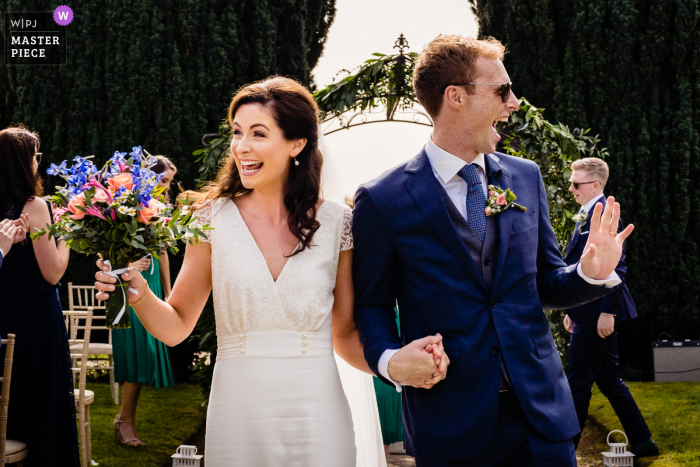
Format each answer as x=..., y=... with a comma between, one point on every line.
x=450, y=59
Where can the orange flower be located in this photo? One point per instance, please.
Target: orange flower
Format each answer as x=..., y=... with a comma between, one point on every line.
x=78, y=200
x=123, y=179
x=146, y=213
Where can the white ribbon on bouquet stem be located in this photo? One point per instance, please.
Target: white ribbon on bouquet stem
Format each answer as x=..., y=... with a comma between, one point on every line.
x=116, y=274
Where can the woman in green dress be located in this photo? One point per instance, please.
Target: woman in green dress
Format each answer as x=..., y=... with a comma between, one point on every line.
x=139, y=357
x=389, y=406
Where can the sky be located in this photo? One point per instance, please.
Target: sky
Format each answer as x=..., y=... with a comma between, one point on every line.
x=361, y=28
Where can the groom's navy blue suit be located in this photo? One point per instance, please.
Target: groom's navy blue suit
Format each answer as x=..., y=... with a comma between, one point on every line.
x=408, y=249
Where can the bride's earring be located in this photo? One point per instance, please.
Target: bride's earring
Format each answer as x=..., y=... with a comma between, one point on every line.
x=296, y=162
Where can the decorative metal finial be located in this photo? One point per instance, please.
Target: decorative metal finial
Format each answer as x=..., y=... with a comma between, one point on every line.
x=401, y=43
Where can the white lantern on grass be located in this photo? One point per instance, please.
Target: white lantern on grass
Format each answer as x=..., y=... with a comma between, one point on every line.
x=186, y=456
x=618, y=455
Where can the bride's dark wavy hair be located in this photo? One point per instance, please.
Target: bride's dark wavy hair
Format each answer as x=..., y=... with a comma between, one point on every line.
x=296, y=113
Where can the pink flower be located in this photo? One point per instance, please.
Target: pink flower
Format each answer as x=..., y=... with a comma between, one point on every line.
x=492, y=194
x=101, y=196
x=94, y=211
x=58, y=212
x=487, y=211
x=501, y=199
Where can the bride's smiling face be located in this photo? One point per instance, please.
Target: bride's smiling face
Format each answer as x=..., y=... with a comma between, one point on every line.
x=262, y=153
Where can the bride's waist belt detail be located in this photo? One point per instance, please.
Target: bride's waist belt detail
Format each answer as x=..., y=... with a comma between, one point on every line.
x=275, y=344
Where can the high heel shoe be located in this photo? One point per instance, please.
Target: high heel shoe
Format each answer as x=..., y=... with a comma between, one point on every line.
x=118, y=434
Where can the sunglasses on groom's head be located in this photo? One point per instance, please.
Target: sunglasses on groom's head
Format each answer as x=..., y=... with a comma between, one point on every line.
x=503, y=91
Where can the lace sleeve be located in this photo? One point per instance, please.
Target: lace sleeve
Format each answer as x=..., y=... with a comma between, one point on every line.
x=204, y=217
x=346, y=241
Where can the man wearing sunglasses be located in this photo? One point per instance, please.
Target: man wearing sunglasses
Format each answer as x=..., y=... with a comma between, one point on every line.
x=423, y=238
x=593, y=326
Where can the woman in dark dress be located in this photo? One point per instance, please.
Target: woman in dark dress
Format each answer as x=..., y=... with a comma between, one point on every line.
x=42, y=405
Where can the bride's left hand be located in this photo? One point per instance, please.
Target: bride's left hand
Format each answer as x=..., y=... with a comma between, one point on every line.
x=441, y=360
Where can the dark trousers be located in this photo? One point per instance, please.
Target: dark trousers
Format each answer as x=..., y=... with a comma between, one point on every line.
x=514, y=443
x=593, y=359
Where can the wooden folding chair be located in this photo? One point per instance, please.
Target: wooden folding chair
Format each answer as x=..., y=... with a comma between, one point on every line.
x=80, y=351
x=80, y=297
x=11, y=451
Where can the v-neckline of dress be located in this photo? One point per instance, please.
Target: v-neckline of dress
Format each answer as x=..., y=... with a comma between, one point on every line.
x=257, y=247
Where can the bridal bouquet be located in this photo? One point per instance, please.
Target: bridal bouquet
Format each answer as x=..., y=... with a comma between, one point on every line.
x=117, y=213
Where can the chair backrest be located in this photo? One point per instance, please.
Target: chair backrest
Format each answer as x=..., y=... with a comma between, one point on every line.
x=82, y=297
x=9, y=344
x=82, y=355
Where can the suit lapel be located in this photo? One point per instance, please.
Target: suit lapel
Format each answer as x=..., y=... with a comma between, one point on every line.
x=574, y=239
x=425, y=191
x=499, y=176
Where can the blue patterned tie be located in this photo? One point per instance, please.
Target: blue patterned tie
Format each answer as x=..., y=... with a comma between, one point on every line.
x=476, y=201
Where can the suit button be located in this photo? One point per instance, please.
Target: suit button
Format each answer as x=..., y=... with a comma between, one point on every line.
x=493, y=303
x=495, y=350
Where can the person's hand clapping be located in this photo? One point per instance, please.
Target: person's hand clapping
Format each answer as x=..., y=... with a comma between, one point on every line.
x=7, y=236
x=22, y=225
x=105, y=282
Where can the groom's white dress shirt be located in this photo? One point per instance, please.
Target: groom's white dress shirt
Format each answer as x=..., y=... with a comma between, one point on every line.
x=446, y=167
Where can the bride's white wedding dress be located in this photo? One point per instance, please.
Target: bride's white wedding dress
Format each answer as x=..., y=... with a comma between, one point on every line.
x=276, y=396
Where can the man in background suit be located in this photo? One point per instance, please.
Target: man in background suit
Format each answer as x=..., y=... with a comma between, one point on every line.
x=593, y=326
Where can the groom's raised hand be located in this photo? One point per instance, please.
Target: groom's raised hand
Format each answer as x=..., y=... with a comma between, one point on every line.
x=604, y=246
x=422, y=363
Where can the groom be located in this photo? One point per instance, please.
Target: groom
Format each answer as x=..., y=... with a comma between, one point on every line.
x=422, y=238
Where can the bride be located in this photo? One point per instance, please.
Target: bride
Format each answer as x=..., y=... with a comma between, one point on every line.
x=279, y=261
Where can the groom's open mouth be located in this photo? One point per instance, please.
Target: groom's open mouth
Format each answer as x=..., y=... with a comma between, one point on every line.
x=499, y=119
x=250, y=167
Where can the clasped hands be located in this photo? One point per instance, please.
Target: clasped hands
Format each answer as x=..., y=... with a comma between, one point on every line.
x=604, y=246
x=422, y=363
x=13, y=231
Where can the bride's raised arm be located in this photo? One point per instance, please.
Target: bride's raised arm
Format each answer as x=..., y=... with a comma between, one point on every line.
x=172, y=321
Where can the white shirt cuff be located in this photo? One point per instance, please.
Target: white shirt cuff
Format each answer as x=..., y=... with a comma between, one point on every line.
x=2, y=253
x=611, y=281
x=383, y=366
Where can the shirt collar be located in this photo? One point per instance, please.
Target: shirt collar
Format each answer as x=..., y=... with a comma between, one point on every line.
x=447, y=165
x=591, y=204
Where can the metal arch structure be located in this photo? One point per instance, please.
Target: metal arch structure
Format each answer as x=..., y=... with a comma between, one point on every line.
x=344, y=122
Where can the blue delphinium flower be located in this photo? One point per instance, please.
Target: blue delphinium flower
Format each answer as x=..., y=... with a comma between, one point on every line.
x=57, y=169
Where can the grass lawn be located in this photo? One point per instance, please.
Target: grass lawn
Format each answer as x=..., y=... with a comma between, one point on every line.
x=672, y=411
x=166, y=418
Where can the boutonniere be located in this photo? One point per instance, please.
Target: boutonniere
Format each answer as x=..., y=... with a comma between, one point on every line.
x=581, y=218
x=499, y=200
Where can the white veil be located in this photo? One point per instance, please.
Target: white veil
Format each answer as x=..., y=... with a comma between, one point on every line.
x=358, y=386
